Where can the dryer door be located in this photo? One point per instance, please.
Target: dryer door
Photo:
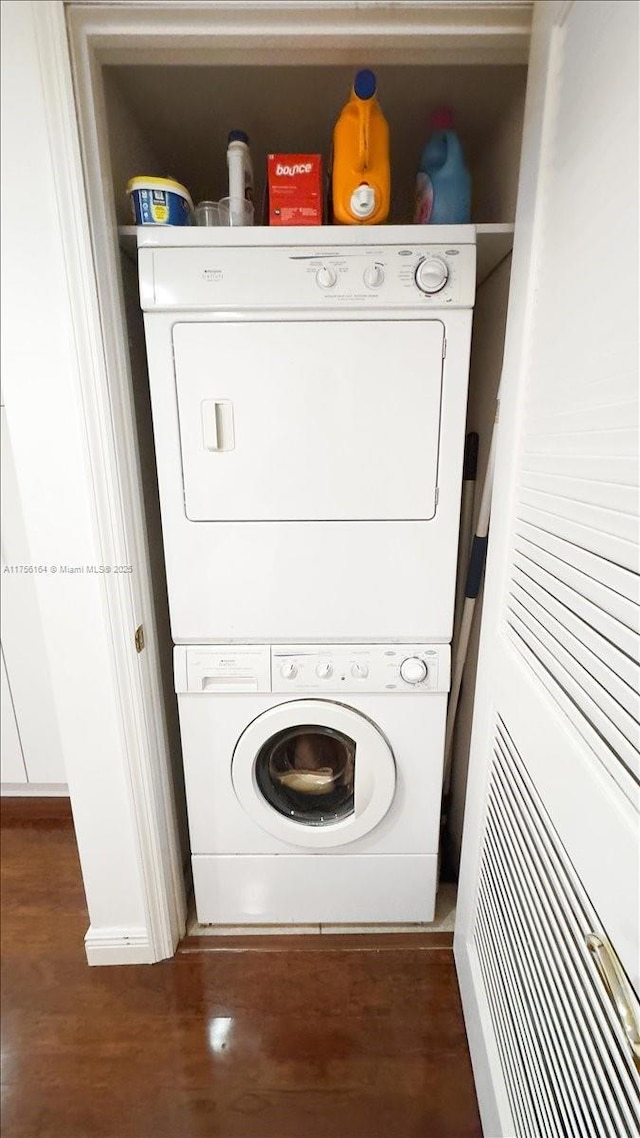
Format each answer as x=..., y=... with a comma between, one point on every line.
x=314, y=773
x=309, y=421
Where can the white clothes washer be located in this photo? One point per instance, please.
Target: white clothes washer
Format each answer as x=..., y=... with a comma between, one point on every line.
x=309, y=394
x=313, y=778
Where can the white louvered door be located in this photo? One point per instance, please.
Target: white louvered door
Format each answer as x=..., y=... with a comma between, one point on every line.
x=547, y=941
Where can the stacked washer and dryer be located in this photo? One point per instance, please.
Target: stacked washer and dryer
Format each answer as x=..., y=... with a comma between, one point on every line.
x=309, y=393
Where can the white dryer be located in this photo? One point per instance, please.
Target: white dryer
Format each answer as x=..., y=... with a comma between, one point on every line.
x=313, y=777
x=308, y=392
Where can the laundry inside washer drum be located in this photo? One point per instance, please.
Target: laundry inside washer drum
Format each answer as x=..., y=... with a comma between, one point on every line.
x=307, y=773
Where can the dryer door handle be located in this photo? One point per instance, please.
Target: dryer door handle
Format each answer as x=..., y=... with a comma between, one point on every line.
x=217, y=424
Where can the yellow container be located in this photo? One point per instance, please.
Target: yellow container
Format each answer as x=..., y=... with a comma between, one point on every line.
x=361, y=176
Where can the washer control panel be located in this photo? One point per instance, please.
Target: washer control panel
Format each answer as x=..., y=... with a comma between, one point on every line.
x=232, y=669
x=335, y=668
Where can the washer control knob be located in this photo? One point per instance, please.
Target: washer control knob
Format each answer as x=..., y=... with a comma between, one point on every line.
x=324, y=670
x=413, y=670
x=326, y=277
x=374, y=276
x=289, y=670
x=432, y=275
x=359, y=671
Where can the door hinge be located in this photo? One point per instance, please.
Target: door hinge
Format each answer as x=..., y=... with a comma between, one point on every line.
x=437, y=498
x=139, y=638
x=444, y=349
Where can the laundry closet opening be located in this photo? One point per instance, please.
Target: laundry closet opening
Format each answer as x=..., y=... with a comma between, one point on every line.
x=172, y=119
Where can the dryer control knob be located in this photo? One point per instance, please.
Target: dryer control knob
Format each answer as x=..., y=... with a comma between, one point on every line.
x=289, y=670
x=374, y=276
x=326, y=277
x=432, y=275
x=413, y=670
x=359, y=671
x=324, y=670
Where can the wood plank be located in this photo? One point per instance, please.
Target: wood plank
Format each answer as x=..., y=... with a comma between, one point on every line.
x=323, y=942
x=242, y=1044
x=23, y=810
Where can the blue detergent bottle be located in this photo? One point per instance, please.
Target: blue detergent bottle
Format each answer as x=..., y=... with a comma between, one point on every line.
x=443, y=185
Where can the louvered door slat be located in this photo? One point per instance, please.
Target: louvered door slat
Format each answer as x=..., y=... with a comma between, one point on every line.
x=531, y=1100
x=571, y=907
x=587, y=724
x=599, y=417
x=544, y=896
x=573, y=1103
x=547, y=1022
x=567, y=1054
x=583, y=492
x=597, y=570
x=619, y=440
x=592, y=701
x=619, y=552
x=508, y=1022
x=558, y=995
x=616, y=673
x=620, y=470
x=608, y=533
x=613, y=616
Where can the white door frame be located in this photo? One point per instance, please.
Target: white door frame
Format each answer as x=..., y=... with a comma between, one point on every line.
x=220, y=30
x=118, y=515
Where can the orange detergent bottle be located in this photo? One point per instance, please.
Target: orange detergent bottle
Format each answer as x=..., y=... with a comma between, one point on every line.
x=361, y=176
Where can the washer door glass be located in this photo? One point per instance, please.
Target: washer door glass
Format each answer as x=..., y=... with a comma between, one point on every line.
x=308, y=773
x=314, y=773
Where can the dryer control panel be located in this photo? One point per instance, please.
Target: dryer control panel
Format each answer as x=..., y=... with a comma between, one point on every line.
x=412, y=276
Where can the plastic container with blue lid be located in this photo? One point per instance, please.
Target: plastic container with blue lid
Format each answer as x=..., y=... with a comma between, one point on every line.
x=159, y=201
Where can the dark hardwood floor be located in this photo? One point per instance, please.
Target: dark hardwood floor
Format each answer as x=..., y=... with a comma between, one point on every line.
x=305, y=1042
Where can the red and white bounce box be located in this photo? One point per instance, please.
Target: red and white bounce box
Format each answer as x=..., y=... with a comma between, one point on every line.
x=295, y=189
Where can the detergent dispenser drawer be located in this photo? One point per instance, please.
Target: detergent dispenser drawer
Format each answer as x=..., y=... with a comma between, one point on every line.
x=309, y=421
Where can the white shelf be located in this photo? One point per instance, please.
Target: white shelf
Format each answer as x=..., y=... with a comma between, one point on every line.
x=494, y=243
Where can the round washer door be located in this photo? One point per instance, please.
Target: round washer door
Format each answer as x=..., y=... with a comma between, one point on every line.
x=314, y=773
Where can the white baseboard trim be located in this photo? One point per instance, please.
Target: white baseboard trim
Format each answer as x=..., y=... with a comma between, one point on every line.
x=34, y=790
x=118, y=946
